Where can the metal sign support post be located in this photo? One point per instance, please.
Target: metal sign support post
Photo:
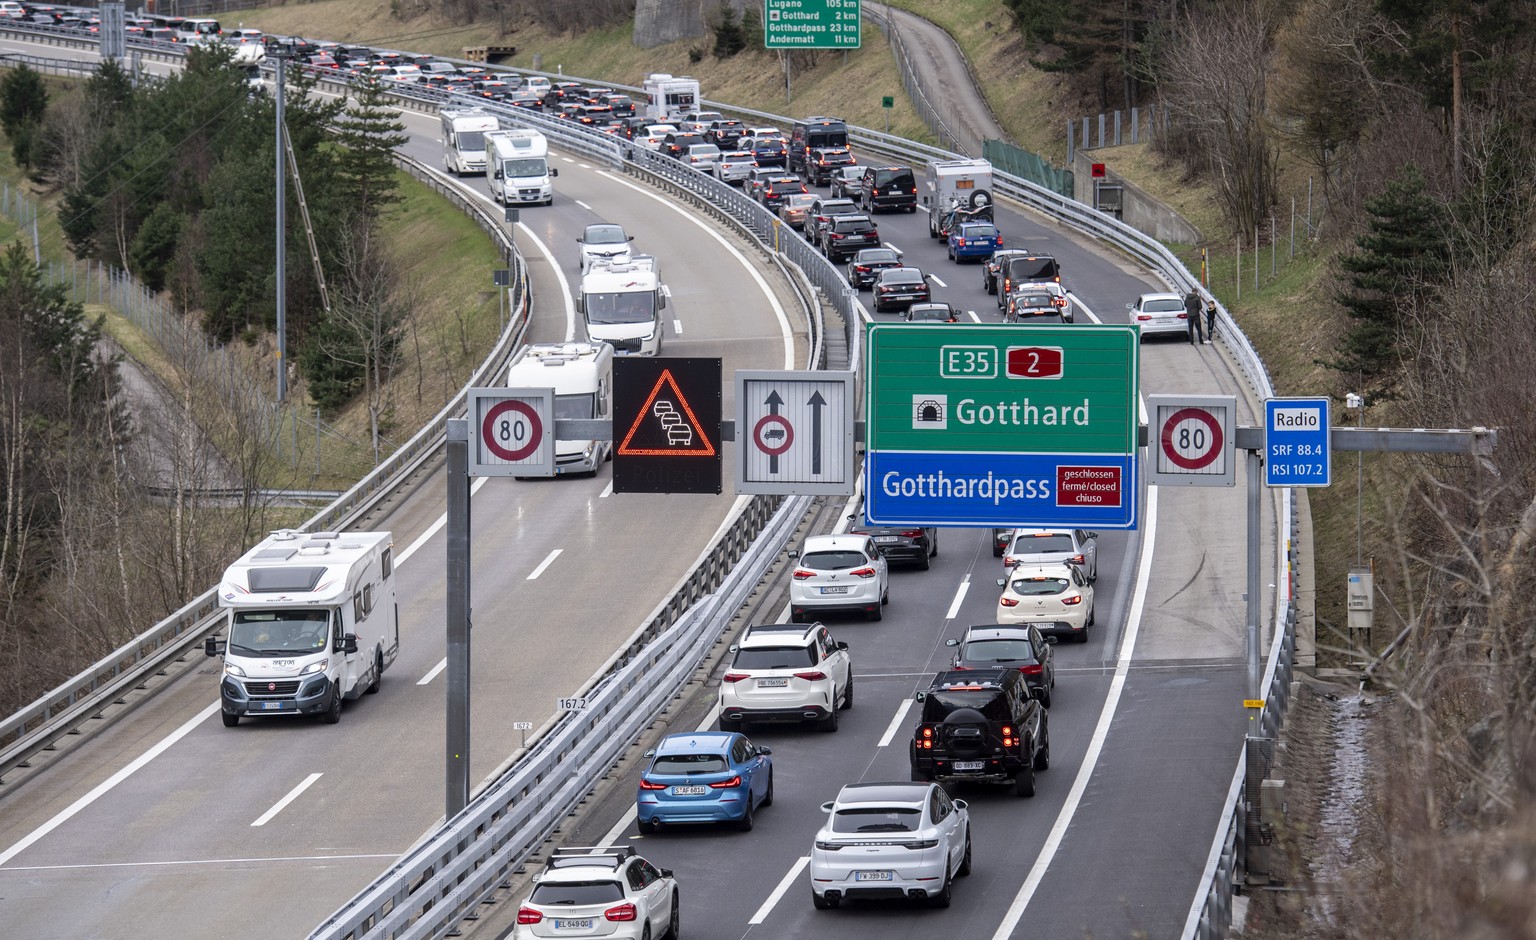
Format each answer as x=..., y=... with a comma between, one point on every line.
x=282, y=295
x=457, y=752
x=1254, y=606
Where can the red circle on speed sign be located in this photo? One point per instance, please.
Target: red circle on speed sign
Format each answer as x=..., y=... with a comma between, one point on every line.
x=773, y=426
x=523, y=410
x=1196, y=446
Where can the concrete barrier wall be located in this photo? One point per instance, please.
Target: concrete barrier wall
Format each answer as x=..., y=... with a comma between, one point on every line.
x=1138, y=210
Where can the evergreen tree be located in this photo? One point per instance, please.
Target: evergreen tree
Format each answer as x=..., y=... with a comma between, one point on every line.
x=1097, y=39
x=109, y=92
x=729, y=37
x=23, y=102
x=1403, y=255
x=369, y=132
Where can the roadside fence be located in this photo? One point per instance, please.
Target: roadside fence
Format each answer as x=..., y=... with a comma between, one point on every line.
x=1115, y=128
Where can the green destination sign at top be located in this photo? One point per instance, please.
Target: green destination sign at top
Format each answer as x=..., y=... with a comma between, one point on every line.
x=811, y=24
x=1003, y=389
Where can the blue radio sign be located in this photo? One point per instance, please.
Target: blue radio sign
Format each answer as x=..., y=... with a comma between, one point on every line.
x=1297, y=449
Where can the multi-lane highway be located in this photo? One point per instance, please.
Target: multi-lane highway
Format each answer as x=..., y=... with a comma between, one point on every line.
x=172, y=825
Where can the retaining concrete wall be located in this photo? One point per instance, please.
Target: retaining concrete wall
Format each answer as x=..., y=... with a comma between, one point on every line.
x=1138, y=210
x=662, y=21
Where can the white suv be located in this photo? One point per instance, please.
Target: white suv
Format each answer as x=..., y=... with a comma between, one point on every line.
x=839, y=572
x=1041, y=546
x=786, y=672
x=890, y=840
x=606, y=891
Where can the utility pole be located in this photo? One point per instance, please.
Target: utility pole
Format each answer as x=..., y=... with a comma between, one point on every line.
x=281, y=54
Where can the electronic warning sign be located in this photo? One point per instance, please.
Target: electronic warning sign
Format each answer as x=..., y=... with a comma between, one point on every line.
x=666, y=425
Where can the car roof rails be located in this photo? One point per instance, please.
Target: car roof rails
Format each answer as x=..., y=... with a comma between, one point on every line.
x=573, y=856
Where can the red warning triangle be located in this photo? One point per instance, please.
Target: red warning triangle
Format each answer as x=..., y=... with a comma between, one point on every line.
x=673, y=421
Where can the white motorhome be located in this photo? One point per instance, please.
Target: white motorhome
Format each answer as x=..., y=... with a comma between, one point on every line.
x=955, y=185
x=464, y=131
x=519, y=168
x=312, y=622
x=622, y=302
x=582, y=376
x=198, y=30
x=247, y=57
x=669, y=97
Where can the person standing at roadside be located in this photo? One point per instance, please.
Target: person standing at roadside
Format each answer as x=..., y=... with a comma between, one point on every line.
x=1210, y=319
x=1192, y=311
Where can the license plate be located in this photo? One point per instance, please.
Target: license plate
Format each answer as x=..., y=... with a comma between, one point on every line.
x=772, y=683
x=874, y=876
x=886, y=539
x=584, y=923
x=273, y=706
x=969, y=764
x=689, y=791
x=834, y=590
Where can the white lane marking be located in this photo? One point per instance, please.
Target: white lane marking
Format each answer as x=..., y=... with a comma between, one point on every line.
x=583, y=205
x=778, y=310
x=892, y=247
x=568, y=159
x=789, y=879
x=677, y=327
x=435, y=671
x=709, y=717
x=221, y=862
x=1100, y=731
x=435, y=527
x=281, y=804
x=1072, y=298
x=895, y=725
x=565, y=285
x=954, y=606
x=974, y=317
x=533, y=575
x=935, y=279
x=106, y=785
x=607, y=491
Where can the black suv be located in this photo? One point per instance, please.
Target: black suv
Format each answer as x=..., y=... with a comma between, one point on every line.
x=823, y=162
x=900, y=543
x=888, y=187
x=1018, y=646
x=846, y=234
x=1025, y=269
x=982, y=726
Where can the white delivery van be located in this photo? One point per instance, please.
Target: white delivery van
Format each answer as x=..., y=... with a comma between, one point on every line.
x=247, y=57
x=464, y=131
x=198, y=30
x=582, y=376
x=622, y=303
x=312, y=622
x=519, y=168
x=669, y=97
x=951, y=186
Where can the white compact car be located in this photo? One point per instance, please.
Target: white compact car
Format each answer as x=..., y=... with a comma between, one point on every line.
x=786, y=672
x=604, y=891
x=839, y=572
x=1055, y=597
x=603, y=243
x=890, y=840
x=1159, y=313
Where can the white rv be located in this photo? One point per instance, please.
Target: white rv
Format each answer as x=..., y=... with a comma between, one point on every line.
x=951, y=186
x=622, y=302
x=582, y=376
x=519, y=168
x=464, y=133
x=312, y=622
x=670, y=97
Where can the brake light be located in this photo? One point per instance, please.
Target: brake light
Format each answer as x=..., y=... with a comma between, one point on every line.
x=815, y=675
x=863, y=572
x=914, y=190
x=1184, y=316
x=1034, y=670
x=861, y=268
x=727, y=784
x=1008, y=561
x=527, y=915
x=801, y=574
x=1008, y=740
x=1072, y=601
x=648, y=785
x=925, y=738
x=836, y=236
x=998, y=241
x=1143, y=316
x=625, y=911
x=959, y=243
x=913, y=534
x=733, y=677
x=1078, y=559
x=1008, y=602
x=1059, y=301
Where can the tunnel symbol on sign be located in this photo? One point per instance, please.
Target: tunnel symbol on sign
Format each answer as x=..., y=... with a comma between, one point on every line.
x=930, y=412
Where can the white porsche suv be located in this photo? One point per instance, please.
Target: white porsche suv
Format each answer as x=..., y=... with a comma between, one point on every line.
x=786, y=672
x=605, y=891
x=890, y=840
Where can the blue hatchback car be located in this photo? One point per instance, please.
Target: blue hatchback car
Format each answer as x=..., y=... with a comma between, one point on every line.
x=974, y=240
x=704, y=777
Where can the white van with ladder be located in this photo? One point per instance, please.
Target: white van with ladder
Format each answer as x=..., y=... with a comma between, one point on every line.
x=622, y=303
x=312, y=622
x=464, y=131
x=581, y=375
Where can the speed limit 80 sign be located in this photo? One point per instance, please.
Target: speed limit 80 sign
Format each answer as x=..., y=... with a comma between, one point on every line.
x=512, y=432
x=1190, y=440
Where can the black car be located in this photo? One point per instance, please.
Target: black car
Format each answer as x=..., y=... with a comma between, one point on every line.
x=846, y=234
x=825, y=161
x=776, y=188
x=821, y=212
x=932, y=313
x=902, y=543
x=888, y=187
x=900, y=288
x=865, y=266
x=1018, y=646
x=981, y=726
x=675, y=145
x=1024, y=269
x=524, y=98
x=724, y=134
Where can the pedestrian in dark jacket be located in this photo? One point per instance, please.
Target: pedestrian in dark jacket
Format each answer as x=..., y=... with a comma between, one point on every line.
x=1210, y=319
x=1192, y=310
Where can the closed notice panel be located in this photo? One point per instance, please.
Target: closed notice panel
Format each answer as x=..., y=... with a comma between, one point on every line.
x=795, y=433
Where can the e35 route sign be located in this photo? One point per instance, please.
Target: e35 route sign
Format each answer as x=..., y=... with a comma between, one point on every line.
x=1002, y=425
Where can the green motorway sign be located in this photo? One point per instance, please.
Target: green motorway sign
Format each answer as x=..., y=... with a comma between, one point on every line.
x=811, y=24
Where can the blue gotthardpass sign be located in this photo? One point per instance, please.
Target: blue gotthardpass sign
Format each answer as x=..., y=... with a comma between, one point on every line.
x=979, y=489
x=1297, y=449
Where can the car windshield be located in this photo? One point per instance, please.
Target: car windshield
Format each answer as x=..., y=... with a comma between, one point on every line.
x=1035, y=300
x=877, y=819
x=1038, y=586
x=573, y=406
x=576, y=893
x=1169, y=305
x=1040, y=544
x=832, y=561
x=1029, y=269
x=632, y=307
x=605, y=235
x=901, y=276
x=278, y=632
x=799, y=200
x=901, y=178
x=978, y=231
x=876, y=255
x=704, y=150
x=532, y=166
x=1002, y=650
x=774, y=657
x=988, y=701
x=688, y=764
